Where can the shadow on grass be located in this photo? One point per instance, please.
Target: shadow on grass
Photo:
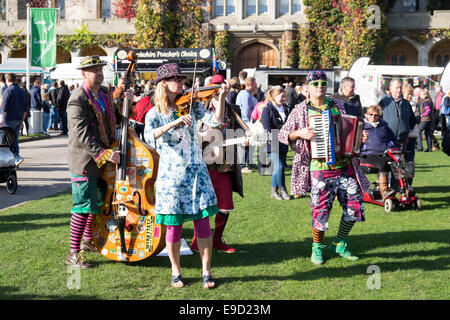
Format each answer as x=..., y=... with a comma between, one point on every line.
x=9, y=293
x=272, y=253
x=23, y=222
x=431, y=189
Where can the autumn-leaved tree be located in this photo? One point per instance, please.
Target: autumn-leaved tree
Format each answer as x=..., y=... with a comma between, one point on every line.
x=38, y=3
x=125, y=8
x=170, y=24
x=339, y=33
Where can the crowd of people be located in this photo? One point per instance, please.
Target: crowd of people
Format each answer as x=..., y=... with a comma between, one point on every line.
x=194, y=190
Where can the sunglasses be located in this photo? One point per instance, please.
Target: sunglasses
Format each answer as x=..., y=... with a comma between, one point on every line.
x=91, y=61
x=317, y=83
x=178, y=79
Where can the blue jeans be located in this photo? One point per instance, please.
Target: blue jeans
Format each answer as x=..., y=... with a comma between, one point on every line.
x=54, y=118
x=15, y=124
x=45, y=121
x=424, y=126
x=279, y=166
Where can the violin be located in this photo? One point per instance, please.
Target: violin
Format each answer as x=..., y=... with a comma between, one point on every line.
x=125, y=228
x=202, y=94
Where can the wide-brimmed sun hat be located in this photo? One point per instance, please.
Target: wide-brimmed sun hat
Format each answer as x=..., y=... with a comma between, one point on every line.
x=168, y=70
x=91, y=61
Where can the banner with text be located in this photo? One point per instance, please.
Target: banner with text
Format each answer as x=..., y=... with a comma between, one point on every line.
x=43, y=37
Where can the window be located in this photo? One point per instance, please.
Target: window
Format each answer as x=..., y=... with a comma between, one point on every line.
x=401, y=60
x=290, y=7
x=262, y=7
x=219, y=8
x=251, y=7
x=3, y=9
x=394, y=60
x=256, y=7
x=231, y=9
x=105, y=9
x=410, y=5
x=224, y=8
x=284, y=7
x=438, y=60
x=296, y=6
x=446, y=59
x=61, y=4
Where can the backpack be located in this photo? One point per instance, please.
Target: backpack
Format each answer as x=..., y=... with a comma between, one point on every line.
x=446, y=143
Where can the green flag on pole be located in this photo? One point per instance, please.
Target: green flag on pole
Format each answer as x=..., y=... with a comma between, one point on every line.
x=43, y=37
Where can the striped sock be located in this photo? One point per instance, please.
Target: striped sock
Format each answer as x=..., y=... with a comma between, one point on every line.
x=77, y=225
x=344, y=228
x=317, y=235
x=88, y=228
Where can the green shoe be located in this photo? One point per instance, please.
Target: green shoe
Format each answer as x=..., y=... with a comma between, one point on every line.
x=339, y=246
x=317, y=256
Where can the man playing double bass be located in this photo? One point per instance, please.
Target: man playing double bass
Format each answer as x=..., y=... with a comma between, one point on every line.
x=92, y=122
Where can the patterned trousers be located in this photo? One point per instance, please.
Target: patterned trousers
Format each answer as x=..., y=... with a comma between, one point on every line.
x=325, y=186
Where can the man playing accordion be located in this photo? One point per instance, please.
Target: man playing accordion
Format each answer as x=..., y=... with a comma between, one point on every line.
x=343, y=179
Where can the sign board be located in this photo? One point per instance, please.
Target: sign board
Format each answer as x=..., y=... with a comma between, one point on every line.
x=43, y=37
x=148, y=60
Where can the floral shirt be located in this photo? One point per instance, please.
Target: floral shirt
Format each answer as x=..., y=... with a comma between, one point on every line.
x=183, y=185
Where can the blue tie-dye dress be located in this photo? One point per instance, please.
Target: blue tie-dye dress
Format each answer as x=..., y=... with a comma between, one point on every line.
x=183, y=187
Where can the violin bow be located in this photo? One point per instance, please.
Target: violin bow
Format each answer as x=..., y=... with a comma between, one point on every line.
x=192, y=89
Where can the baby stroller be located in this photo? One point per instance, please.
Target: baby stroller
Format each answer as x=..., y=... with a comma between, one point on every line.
x=7, y=161
x=407, y=199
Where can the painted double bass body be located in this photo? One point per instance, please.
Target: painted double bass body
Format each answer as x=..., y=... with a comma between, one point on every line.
x=135, y=195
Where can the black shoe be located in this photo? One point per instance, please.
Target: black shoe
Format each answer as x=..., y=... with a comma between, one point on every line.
x=428, y=150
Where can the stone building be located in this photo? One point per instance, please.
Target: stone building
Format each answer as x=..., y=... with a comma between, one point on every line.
x=258, y=29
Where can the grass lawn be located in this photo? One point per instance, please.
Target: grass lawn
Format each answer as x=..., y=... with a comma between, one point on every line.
x=410, y=249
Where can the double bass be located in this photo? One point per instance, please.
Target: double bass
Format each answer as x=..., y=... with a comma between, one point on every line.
x=125, y=228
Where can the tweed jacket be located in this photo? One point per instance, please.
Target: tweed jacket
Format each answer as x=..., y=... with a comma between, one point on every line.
x=91, y=132
x=300, y=177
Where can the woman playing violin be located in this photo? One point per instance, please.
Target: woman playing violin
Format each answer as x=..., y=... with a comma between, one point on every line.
x=184, y=191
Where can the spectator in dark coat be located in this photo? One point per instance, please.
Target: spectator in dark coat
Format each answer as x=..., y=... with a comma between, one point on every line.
x=352, y=102
x=53, y=98
x=61, y=105
x=35, y=96
x=398, y=114
x=14, y=107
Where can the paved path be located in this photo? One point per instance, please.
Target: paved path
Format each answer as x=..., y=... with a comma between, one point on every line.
x=43, y=173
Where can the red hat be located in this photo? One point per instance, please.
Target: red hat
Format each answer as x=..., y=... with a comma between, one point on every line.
x=217, y=79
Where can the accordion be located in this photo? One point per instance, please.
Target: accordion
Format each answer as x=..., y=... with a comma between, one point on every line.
x=335, y=135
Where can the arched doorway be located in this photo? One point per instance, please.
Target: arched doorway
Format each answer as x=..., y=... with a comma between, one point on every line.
x=93, y=50
x=439, y=54
x=256, y=54
x=63, y=56
x=401, y=53
x=22, y=53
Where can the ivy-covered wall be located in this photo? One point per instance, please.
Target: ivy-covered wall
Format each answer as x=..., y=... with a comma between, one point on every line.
x=339, y=33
